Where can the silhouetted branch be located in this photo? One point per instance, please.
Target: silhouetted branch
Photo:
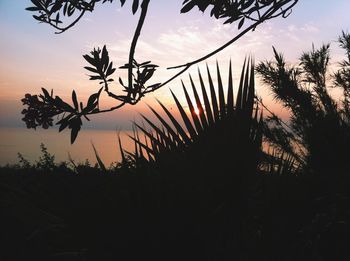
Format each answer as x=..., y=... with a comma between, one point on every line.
x=42, y=108
x=61, y=30
x=267, y=15
x=144, y=7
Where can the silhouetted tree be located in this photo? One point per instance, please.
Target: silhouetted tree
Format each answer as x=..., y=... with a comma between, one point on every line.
x=319, y=128
x=42, y=108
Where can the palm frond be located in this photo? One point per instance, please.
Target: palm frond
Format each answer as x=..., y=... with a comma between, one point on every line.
x=242, y=127
x=221, y=93
x=230, y=95
x=208, y=108
x=193, y=113
x=199, y=105
x=213, y=97
x=184, y=117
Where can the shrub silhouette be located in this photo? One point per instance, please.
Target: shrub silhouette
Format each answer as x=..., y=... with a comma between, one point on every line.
x=319, y=129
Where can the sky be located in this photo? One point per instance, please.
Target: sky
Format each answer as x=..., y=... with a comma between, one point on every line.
x=33, y=56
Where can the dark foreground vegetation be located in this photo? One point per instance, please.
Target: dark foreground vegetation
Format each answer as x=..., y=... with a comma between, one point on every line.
x=205, y=192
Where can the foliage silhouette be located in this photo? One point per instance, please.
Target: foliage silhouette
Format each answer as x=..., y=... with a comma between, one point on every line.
x=41, y=109
x=207, y=192
x=319, y=125
x=319, y=131
x=212, y=121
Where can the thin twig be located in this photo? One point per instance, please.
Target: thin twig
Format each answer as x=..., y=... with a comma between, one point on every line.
x=107, y=110
x=61, y=30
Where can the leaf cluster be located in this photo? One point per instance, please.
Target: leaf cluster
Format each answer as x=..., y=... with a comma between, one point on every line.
x=102, y=67
x=144, y=72
x=42, y=109
x=342, y=76
x=233, y=11
x=52, y=12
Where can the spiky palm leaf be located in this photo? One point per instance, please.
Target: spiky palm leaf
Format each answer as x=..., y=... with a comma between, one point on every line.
x=216, y=119
x=207, y=162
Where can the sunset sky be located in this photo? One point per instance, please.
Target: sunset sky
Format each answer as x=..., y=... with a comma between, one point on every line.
x=33, y=56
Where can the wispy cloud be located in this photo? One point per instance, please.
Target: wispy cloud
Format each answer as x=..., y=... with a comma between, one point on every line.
x=144, y=49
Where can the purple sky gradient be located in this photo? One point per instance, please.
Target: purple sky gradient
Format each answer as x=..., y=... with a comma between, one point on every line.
x=32, y=56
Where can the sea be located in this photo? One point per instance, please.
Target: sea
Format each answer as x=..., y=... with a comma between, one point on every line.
x=27, y=143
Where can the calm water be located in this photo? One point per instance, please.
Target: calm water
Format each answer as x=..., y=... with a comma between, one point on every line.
x=27, y=142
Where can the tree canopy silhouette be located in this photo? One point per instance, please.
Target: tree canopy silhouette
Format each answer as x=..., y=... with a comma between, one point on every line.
x=319, y=127
x=64, y=14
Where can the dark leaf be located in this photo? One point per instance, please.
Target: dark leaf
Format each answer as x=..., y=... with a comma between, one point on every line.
x=95, y=77
x=33, y=9
x=135, y=6
x=104, y=58
x=193, y=113
x=111, y=71
x=70, y=10
x=57, y=6
x=206, y=100
x=46, y=93
x=39, y=18
x=199, y=105
x=99, y=161
x=92, y=100
x=167, y=126
x=148, y=75
x=61, y=104
x=230, y=105
x=158, y=131
x=240, y=24
x=90, y=60
x=126, y=66
x=121, y=81
x=64, y=119
x=37, y=3
x=184, y=117
x=65, y=8
x=246, y=4
x=75, y=101
x=91, y=69
x=63, y=125
x=213, y=96
x=221, y=92
x=75, y=125
x=144, y=63
x=188, y=7
x=176, y=124
x=57, y=20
